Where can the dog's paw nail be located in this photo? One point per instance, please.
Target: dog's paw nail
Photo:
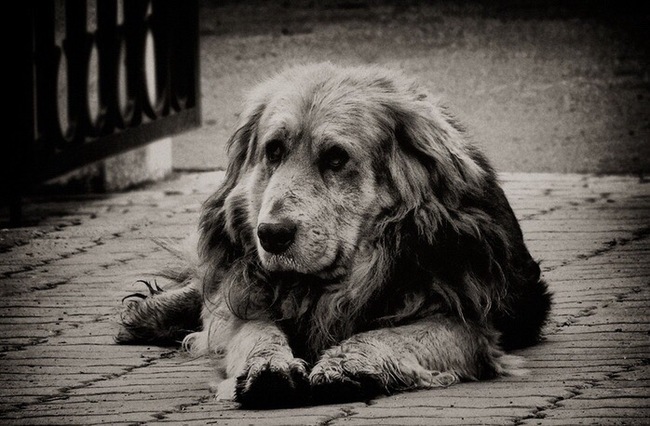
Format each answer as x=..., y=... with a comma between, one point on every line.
x=154, y=288
x=136, y=295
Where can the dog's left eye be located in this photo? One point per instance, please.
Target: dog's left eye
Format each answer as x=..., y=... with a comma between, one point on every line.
x=334, y=158
x=274, y=151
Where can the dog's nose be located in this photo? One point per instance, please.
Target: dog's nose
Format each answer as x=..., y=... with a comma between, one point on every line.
x=276, y=237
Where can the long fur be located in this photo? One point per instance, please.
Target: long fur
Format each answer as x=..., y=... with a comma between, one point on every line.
x=437, y=248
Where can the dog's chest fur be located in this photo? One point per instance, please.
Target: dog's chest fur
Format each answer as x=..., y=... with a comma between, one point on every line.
x=316, y=314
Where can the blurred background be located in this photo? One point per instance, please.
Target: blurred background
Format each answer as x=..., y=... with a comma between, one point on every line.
x=543, y=85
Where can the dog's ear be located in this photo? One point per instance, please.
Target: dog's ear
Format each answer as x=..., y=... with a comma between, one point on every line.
x=459, y=212
x=214, y=235
x=433, y=166
x=242, y=144
x=427, y=135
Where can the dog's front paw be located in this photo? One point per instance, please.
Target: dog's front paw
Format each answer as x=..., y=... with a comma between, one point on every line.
x=273, y=382
x=345, y=377
x=138, y=319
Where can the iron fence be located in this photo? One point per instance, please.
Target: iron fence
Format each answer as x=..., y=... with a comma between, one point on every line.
x=94, y=79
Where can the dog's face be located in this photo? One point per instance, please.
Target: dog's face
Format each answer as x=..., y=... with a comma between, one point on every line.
x=322, y=153
x=312, y=188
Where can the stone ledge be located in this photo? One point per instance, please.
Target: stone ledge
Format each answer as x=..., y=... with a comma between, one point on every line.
x=150, y=163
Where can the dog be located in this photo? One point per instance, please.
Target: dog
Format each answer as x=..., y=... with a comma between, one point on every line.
x=359, y=245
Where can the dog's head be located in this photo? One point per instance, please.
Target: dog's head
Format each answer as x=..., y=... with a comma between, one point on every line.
x=325, y=157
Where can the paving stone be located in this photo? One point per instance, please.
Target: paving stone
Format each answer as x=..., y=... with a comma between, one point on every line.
x=61, y=280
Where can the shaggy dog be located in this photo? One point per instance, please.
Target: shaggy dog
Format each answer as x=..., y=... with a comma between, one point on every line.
x=359, y=245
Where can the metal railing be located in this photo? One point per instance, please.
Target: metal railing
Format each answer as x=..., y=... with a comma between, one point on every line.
x=94, y=79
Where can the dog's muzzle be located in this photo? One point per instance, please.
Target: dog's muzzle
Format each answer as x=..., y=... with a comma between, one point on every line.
x=276, y=238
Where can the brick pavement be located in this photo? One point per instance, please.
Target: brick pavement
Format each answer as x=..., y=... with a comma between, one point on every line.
x=63, y=275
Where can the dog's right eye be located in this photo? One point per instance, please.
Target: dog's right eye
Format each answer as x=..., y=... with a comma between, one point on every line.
x=274, y=151
x=334, y=159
